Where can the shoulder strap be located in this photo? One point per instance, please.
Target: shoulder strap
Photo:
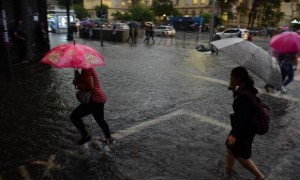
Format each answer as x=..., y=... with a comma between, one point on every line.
x=250, y=95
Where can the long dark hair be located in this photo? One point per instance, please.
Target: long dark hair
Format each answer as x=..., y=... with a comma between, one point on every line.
x=242, y=73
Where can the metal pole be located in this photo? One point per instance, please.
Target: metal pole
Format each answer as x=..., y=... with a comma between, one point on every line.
x=212, y=20
x=70, y=34
x=6, y=44
x=101, y=28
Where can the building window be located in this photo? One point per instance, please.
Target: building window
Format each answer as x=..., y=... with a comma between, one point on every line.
x=129, y=1
x=123, y=4
x=177, y=2
x=195, y=2
x=203, y=1
x=188, y=2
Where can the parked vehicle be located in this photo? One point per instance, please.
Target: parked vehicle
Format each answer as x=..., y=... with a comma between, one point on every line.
x=232, y=32
x=120, y=25
x=164, y=31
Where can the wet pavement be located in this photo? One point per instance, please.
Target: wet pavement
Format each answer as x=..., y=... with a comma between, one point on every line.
x=168, y=108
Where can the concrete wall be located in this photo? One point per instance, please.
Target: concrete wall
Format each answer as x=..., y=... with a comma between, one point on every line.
x=121, y=36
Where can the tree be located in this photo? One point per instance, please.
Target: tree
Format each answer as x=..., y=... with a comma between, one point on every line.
x=80, y=11
x=176, y=12
x=63, y=2
x=122, y=16
x=271, y=13
x=226, y=5
x=161, y=7
x=141, y=13
x=104, y=9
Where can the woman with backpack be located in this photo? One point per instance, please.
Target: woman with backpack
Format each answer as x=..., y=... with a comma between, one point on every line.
x=240, y=138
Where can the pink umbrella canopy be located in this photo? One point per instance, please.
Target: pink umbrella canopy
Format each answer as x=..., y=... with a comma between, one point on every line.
x=286, y=42
x=73, y=56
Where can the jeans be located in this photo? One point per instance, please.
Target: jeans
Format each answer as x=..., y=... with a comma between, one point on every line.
x=94, y=108
x=287, y=71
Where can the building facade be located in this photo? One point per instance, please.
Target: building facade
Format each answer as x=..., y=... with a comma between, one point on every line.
x=191, y=8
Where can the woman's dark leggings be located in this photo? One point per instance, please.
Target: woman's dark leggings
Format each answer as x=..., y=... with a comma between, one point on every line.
x=287, y=71
x=94, y=108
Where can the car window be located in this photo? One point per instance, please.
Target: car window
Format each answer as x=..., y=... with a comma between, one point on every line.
x=235, y=31
x=228, y=31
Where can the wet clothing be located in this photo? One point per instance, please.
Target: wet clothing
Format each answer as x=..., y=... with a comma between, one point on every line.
x=286, y=62
x=98, y=94
x=20, y=44
x=94, y=107
x=242, y=127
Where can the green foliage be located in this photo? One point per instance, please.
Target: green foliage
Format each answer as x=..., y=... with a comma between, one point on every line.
x=141, y=13
x=104, y=10
x=271, y=14
x=63, y=2
x=80, y=11
x=161, y=7
x=136, y=13
x=176, y=12
x=206, y=18
x=122, y=16
x=226, y=5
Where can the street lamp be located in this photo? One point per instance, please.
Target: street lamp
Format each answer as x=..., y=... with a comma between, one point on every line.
x=101, y=28
x=70, y=34
x=212, y=20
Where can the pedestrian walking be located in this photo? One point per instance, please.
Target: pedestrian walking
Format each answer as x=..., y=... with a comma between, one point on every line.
x=74, y=29
x=130, y=35
x=19, y=41
x=239, y=141
x=147, y=34
x=114, y=34
x=288, y=64
x=88, y=81
x=90, y=31
x=135, y=34
x=151, y=33
x=250, y=37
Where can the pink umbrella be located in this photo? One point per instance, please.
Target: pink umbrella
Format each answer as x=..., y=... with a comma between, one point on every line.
x=286, y=42
x=73, y=56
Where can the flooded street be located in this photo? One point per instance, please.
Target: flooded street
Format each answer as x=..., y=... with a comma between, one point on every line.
x=167, y=106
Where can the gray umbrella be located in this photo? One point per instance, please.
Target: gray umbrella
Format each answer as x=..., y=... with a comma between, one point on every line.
x=252, y=57
x=134, y=24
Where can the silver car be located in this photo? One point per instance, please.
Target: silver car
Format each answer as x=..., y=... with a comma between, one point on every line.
x=232, y=32
x=164, y=31
x=121, y=26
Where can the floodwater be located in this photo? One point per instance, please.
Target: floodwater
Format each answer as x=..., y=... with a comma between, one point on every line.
x=168, y=108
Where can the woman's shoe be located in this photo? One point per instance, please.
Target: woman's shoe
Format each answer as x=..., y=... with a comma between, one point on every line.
x=107, y=140
x=84, y=140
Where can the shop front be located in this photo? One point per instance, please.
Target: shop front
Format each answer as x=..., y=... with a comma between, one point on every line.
x=58, y=20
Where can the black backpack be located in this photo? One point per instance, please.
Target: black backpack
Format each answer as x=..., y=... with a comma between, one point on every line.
x=261, y=120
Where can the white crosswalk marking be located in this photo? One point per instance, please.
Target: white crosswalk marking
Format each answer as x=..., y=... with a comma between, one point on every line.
x=137, y=128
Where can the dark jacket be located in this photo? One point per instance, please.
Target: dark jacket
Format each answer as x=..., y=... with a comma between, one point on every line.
x=244, y=110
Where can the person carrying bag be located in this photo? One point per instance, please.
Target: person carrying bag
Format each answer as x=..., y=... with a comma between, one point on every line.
x=88, y=81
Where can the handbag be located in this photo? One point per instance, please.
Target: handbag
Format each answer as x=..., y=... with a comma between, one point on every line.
x=84, y=97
